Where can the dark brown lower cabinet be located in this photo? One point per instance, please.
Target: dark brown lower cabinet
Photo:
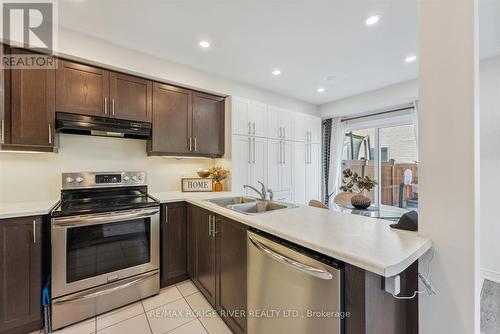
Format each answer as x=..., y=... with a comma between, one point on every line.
x=217, y=264
x=204, y=253
x=20, y=274
x=173, y=243
x=231, y=249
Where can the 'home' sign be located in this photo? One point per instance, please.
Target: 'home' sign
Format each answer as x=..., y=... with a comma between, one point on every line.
x=197, y=185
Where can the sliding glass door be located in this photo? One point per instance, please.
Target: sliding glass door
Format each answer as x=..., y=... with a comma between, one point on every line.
x=387, y=153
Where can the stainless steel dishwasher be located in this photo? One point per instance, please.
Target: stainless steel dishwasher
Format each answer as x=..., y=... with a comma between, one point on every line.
x=290, y=289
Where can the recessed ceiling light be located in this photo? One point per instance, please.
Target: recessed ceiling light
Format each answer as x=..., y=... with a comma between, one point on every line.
x=372, y=20
x=411, y=59
x=204, y=44
x=320, y=90
x=276, y=72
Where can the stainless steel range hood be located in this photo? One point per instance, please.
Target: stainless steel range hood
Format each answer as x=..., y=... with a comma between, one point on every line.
x=102, y=126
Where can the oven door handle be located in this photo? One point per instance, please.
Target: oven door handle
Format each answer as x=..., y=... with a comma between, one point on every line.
x=111, y=217
x=105, y=292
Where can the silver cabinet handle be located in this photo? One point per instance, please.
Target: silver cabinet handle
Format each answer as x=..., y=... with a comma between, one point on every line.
x=50, y=134
x=113, y=106
x=34, y=231
x=195, y=145
x=190, y=144
x=292, y=263
x=249, y=128
x=249, y=150
x=102, y=218
x=279, y=153
x=214, y=226
x=281, y=132
x=284, y=133
x=105, y=106
x=98, y=293
x=210, y=222
x=253, y=150
x=3, y=131
x=284, y=153
x=253, y=125
x=166, y=214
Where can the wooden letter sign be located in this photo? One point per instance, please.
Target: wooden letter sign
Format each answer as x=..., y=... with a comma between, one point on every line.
x=197, y=185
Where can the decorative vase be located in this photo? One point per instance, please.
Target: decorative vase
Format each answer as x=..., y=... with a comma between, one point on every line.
x=217, y=186
x=343, y=199
x=360, y=201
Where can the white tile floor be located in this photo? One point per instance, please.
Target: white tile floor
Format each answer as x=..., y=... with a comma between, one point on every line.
x=178, y=309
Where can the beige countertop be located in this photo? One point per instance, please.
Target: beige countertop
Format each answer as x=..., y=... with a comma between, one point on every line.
x=367, y=243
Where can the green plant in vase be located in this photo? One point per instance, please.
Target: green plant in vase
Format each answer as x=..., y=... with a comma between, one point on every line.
x=353, y=182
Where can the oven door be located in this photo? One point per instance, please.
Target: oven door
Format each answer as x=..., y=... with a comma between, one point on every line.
x=92, y=250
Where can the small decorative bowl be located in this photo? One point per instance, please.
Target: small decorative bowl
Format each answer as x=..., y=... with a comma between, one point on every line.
x=203, y=172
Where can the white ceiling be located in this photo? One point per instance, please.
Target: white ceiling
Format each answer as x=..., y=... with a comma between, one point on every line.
x=313, y=42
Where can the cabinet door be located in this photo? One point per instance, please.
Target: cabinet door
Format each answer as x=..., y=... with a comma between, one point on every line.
x=232, y=273
x=301, y=153
x=286, y=123
x=20, y=274
x=171, y=120
x=240, y=112
x=240, y=174
x=208, y=124
x=286, y=167
x=274, y=160
x=315, y=129
x=280, y=123
x=32, y=99
x=205, y=254
x=82, y=89
x=258, y=166
x=173, y=243
x=301, y=126
x=313, y=173
x=284, y=196
x=131, y=97
x=258, y=119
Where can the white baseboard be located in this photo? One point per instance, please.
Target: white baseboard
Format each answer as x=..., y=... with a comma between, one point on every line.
x=490, y=275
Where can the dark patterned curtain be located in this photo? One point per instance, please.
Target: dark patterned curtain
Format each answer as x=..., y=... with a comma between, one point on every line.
x=327, y=136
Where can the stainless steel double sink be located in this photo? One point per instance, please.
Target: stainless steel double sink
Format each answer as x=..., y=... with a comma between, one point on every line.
x=249, y=205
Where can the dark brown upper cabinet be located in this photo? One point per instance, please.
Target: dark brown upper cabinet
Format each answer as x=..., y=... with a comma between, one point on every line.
x=186, y=122
x=173, y=243
x=28, y=109
x=88, y=90
x=82, y=89
x=208, y=124
x=21, y=274
x=171, y=120
x=131, y=97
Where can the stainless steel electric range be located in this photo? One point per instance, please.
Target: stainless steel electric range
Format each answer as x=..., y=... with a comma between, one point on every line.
x=105, y=244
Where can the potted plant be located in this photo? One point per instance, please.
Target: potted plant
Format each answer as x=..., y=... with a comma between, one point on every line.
x=359, y=184
x=218, y=174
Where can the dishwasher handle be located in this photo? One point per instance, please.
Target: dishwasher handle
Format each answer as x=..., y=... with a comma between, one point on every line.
x=292, y=263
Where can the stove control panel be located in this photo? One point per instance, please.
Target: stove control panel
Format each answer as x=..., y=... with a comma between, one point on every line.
x=102, y=179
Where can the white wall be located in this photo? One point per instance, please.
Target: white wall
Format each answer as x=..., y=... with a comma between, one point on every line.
x=25, y=176
x=77, y=45
x=449, y=178
x=490, y=166
x=394, y=95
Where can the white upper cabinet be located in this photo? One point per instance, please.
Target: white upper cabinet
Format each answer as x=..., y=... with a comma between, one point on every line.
x=280, y=123
x=249, y=117
x=307, y=128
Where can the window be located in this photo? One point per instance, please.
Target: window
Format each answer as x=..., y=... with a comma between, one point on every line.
x=387, y=152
